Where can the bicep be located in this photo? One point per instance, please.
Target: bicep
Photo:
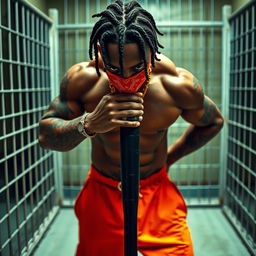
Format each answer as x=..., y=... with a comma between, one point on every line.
x=207, y=114
x=67, y=105
x=66, y=110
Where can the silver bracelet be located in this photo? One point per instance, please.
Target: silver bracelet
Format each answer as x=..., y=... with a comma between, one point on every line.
x=81, y=127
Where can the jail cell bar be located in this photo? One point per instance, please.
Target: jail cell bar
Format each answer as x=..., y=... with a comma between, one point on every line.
x=240, y=196
x=197, y=175
x=27, y=190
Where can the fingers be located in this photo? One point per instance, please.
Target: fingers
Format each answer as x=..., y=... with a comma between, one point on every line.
x=119, y=107
x=119, y=118
x=122, y=123
x=126, y=113
x=128, y=105
x=128, y=97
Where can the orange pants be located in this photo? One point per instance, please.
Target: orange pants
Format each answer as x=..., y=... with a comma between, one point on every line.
x=162, y=226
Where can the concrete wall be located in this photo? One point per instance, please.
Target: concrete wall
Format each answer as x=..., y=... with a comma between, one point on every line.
x=40, y=4
x=236, y=4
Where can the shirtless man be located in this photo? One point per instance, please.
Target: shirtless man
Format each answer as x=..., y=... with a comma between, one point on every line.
x=172, y=92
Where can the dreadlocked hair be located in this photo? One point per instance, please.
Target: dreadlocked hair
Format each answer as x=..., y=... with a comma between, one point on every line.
x=122, y=23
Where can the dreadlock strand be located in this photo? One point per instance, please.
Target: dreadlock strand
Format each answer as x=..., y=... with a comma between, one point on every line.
x=131, y=5
x=150, y=35
x=121, y=22
x=119, y=2
x=96, y=58
x=97, y=25
x=131, y=17
x=149, y=44
x=108, y=14
x=121, y=32
x=148, y=24
x=151, y=18
x=106, y=36
x=142, y=31
x=116, y=8
x=99, y=30
x=140, y=41
x=102, y=22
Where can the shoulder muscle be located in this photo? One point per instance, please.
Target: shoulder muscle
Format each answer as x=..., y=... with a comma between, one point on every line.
x=185, y=89
x=77, y=81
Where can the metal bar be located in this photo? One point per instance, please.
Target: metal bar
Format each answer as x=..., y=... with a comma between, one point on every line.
x=212, y=75
x=240, y=196
x=54, y=64
x=130, y=176
x=8, y=196
x=25, y=250
x=200, y=194
x=77, y=31
x=27, y=195
x=31, y=65
x=23, y=35
x=14, y=142
x=28, y=52
x=253, y=78
x=42, y=89
x=1, y=56
x=8, y=207
x=243, y=101
x=21, y=113
x=226, y=12
x=32, y=8
x=250, y=4
x=20, y=109
x=180, y=9
x=172, y=24
x=238, y=201
x=190, y=175
x=34, y=58
x=22, y=137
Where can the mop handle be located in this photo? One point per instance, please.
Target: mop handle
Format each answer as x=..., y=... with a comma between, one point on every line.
x=130, y=176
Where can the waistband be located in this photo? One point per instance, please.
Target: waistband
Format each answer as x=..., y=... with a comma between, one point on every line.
x=153, y=178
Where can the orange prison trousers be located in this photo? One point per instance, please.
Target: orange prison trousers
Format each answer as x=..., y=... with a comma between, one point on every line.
x=162, y=225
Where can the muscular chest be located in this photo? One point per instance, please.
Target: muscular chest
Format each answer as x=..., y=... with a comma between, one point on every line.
x=160, y=110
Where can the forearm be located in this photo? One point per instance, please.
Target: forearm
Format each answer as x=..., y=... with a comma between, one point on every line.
x=193, y=138
x=58, y=134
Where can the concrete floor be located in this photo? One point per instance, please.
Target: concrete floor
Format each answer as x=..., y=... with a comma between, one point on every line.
x=211, y=233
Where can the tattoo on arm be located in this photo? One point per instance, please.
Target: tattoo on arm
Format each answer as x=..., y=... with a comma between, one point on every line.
x=63, y=87
x=58, y=127
x=58, y=109
x=209, y=113
x=197, y=136
x=66, y=80
x=200, y=136
x=197, y=86
x=194, y=138
x=61, y=135
x=59, y=106
x=196, y=82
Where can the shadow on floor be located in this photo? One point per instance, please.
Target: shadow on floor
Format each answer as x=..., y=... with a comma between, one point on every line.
x=211, y=233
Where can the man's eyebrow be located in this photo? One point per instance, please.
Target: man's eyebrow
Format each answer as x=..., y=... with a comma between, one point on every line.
x=112, y=66
x=137, y=64
x=130, y=67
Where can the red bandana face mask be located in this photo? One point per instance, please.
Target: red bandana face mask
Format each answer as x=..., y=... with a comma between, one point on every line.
x=128, y=85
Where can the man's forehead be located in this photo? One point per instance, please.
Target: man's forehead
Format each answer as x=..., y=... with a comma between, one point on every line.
x=132, y=52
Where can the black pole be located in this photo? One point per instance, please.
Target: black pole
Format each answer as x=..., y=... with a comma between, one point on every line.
x=130, y=176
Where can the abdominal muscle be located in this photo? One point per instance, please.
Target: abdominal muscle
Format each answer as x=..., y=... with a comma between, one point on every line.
x=106, y=153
